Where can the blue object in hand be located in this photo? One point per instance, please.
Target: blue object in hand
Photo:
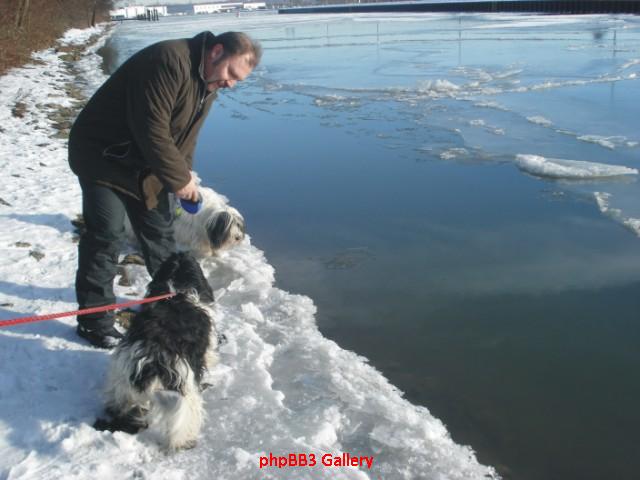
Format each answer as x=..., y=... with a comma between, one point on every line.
x=191, y=207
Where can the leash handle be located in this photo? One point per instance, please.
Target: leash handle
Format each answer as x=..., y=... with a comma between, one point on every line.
x=104, y=308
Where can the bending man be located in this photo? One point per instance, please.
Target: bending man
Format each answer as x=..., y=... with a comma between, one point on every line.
x=132, y=146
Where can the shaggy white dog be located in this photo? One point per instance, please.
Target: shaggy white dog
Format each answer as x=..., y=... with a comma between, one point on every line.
x=217, y=226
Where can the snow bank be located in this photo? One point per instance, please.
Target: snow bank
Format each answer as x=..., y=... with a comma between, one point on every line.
x=281, y=387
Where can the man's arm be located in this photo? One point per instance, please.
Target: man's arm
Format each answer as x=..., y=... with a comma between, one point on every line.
x=152, y=91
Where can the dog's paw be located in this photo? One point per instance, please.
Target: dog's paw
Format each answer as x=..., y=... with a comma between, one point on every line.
x=189, y=445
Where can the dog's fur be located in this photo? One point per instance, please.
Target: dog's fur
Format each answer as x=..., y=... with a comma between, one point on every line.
x=217, y=226
x=156, y=371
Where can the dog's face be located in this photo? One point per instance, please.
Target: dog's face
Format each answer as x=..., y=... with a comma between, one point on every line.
x=225, y=230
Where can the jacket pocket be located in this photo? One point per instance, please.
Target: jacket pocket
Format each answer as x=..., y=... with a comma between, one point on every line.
x=117, y=150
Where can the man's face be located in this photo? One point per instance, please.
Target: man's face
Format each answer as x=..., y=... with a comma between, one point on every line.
x=224, y=72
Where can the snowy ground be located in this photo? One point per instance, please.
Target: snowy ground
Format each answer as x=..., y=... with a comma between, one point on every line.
x=280, y=388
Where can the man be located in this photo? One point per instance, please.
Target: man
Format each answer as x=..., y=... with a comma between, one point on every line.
x=132, y=146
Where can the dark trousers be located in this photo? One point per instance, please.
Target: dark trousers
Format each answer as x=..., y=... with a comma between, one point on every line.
x=104, y=210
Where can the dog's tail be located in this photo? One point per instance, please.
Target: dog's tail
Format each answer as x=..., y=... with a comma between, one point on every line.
x=175, y=419
x=149, y=387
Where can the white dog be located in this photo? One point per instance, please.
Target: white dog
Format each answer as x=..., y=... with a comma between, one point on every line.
x=217, y=226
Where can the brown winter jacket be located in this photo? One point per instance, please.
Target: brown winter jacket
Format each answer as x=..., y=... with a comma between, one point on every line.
x=138, y=132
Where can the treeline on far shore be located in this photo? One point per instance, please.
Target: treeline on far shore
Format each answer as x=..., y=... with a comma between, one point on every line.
x=30, y=25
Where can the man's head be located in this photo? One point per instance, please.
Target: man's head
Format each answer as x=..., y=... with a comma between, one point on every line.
x=229, y=59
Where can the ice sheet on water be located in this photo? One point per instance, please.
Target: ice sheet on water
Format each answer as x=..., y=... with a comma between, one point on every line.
x=529, y=21
x=630, y=63
x=540, y=120
x=454, y=153
x=608, y=142
x=603, y=199
x=569, y=169
x=437, y=88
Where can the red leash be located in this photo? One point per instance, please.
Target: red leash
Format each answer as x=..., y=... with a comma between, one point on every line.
x=105, y=308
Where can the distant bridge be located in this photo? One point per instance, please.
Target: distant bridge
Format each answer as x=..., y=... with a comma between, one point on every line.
x=573, y=7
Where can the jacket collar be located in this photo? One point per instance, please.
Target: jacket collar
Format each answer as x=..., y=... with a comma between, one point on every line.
x=198, y=49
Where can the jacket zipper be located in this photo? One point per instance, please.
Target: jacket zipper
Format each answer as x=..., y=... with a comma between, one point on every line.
x=196, y=117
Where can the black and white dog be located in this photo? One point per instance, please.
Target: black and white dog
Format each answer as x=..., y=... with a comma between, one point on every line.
x=155, y=374
x=217, y=226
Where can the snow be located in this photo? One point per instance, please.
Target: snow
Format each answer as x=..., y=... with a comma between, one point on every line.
x=569, y=169
x=280, y=388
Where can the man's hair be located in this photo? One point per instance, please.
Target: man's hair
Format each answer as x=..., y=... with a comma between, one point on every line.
x=238, y=43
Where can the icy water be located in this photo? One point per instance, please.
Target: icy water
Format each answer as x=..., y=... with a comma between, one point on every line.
x=385, y=164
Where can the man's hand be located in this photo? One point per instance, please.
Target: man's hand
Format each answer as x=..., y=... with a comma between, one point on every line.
x=189, y=191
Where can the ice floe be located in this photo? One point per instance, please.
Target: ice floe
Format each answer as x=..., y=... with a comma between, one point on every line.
x=569, y=169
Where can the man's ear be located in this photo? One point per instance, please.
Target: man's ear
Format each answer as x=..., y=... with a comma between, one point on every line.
x=216, y=52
